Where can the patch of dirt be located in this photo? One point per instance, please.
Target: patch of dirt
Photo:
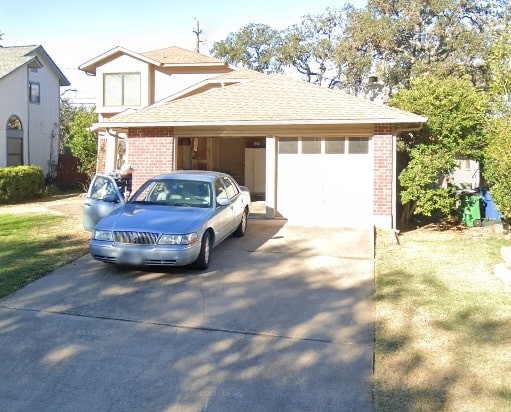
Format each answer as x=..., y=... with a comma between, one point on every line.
x=486, y=230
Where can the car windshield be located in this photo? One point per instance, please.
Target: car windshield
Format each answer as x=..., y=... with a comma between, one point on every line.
x=174, y=192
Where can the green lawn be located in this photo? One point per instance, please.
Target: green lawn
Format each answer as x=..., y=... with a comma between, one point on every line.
x=32, y=245
x=443, y=323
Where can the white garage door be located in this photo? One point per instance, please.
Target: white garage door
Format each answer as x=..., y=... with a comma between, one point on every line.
x=325, y=181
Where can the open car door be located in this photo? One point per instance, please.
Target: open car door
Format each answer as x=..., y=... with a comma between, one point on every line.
x=102, y=199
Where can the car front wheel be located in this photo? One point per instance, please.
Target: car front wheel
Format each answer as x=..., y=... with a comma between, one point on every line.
x=202, y=261
x=242, y=227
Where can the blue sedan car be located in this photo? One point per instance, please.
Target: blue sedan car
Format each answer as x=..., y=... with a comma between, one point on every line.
x=171, y=220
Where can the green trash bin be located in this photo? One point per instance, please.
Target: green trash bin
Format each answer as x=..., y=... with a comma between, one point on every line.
x=470, y=209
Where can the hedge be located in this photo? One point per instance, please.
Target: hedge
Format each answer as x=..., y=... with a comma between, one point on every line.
x=19, y=183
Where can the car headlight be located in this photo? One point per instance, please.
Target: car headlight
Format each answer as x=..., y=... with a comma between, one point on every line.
x=105, y=235
x=187, y=239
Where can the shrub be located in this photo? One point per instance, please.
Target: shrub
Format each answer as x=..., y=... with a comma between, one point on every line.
x=497, y=167
x=18, y=183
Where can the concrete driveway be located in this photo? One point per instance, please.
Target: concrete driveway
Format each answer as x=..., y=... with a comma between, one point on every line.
x=282, y=321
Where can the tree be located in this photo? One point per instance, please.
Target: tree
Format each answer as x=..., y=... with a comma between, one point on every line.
x=253, y=47
x=497, y=165
x=422, y=179
x=75, y=124
x=396, y=40
x=456, y=113
x=407, y=39
x=67, y=113
x=310, y=47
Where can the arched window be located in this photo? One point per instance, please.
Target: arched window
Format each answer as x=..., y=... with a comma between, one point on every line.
x=14, y=134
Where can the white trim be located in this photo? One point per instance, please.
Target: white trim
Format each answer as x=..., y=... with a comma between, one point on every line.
x=287, y=122
x=96, y=60
x=271, y=176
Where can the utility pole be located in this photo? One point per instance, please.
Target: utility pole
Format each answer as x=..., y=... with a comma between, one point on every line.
x=197, y=32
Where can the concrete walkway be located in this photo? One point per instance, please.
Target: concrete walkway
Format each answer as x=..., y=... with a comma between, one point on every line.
x=282, y=321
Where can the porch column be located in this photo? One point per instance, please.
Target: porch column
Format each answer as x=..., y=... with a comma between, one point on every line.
x=384, y=197
x=271, y=176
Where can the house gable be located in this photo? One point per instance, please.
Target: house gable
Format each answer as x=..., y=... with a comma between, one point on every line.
x=163, y=72
x=24, y=69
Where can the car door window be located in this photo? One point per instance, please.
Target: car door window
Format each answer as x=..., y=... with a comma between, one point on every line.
x=101, y=187
x=230, y=187
x=220, y=191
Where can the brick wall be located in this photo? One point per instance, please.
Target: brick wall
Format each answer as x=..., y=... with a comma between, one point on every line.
x=383, y=170
x=150, y=152
x=101, y=159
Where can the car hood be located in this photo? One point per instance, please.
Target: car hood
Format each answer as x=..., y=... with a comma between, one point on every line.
x=154, y=218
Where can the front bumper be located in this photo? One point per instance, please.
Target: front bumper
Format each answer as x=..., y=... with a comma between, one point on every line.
x=143, y=255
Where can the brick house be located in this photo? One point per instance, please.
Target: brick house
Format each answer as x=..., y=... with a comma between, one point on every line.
x=314, y=155
x=127, y=80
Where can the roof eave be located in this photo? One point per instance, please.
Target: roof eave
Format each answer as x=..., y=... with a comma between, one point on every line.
x=35, y=62
x=193, y=65
x=90, y=66
x=407, y=124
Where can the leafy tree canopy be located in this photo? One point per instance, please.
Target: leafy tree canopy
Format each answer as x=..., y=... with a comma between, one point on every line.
x=497, y=170
x=252, y=47
x=311, y=47
x=499, y=67
x=395, y=40
x=407, y=39
x=456, y=113
x=497, y=160
x=75, y=124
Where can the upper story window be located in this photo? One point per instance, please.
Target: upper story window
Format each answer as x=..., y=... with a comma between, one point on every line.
x=121, y=89
x=34, y=92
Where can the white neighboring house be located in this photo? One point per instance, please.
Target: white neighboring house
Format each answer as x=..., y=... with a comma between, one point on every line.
x=467, y=175
x=29, y=108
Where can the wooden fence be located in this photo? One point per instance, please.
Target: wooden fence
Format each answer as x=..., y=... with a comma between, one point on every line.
x=68, y=172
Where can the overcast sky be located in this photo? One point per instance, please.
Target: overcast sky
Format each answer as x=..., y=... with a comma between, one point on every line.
x=73, y=32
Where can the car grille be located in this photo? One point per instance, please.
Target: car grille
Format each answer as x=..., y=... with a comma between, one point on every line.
x=147, y=262
x=136, y=238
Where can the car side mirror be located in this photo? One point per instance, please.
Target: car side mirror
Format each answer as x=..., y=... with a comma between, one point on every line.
x=223, y=202
x=111, y=198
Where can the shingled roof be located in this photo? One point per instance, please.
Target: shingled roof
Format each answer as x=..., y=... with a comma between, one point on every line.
x=177, y=56
x=272, y=100
x=168, y=57
x=14, y=57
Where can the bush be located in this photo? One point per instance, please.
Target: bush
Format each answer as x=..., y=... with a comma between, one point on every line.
x=18, y=183
x=497, y=166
